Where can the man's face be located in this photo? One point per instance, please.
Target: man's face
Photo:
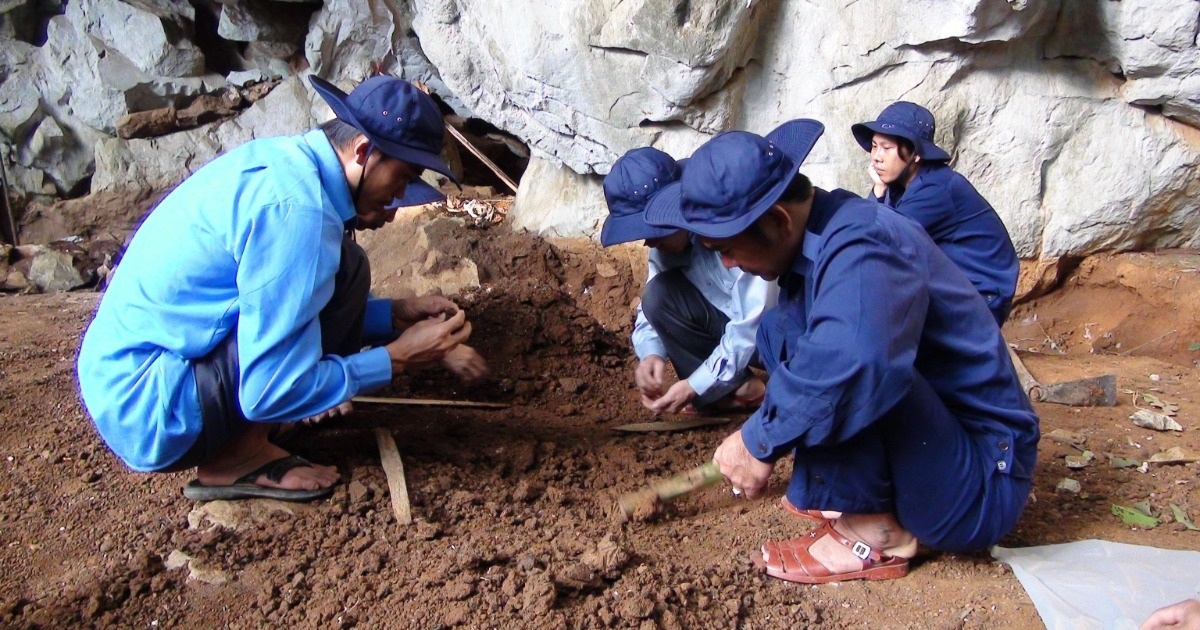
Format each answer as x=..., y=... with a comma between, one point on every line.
x=386, y=179
x=759, y=252
x=670, y=244
x=886, y=158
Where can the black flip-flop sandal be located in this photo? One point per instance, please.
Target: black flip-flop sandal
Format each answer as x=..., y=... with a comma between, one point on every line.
x=245, y=488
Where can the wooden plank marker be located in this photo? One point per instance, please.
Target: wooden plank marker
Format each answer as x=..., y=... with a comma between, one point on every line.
x=393, y=469
x=429, y=403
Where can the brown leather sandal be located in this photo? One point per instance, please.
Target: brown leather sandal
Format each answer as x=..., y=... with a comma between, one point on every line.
x=791, y=560
x=809, y=515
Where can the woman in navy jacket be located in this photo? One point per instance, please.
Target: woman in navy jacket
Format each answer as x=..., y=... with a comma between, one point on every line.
x=912, y=176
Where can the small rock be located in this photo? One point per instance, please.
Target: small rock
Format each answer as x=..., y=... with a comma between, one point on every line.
x=1153, y=420
x=539, y=595
x=176, y=560
x=1076, y=462
x=572, y=385
x=91, y=476
x=1068, y=486
x=606, y=270
x=358, y=492
x=1154, y=378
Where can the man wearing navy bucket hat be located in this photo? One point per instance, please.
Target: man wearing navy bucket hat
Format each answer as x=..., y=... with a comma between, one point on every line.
x=911, y=175
x=694, y=311
x=889, y=383
x=241, y=305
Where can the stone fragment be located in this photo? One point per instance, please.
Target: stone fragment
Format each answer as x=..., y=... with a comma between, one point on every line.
x=254, y=20
x=1068, y=486
x=1153, y=420
x=54, y=272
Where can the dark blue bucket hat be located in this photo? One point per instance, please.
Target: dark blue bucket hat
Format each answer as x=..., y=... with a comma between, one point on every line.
x=635, y=178
x=400, y=120
x=904, y=120
x=733, y=179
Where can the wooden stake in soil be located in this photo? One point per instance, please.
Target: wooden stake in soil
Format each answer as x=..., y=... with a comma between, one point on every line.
x=393, y=468
x=429, y=403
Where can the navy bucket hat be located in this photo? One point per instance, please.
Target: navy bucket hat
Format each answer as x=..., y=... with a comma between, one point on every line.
x=904, y=120
x=399, y=120
x=734, y=178
x=635, y=178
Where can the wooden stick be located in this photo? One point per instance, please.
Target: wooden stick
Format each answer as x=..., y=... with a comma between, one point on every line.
x=470, y=147
x=393, y=469
x=429, y=403
x=1032, y=387
x=8, y=229
x=483, y=158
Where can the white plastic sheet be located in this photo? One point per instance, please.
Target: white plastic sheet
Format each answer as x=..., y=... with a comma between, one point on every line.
x=1103, y=585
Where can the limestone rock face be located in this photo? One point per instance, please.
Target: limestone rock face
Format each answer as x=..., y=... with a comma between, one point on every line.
x=577, y=80
x=155, y=35
x=1079, y=120
x=167, y=160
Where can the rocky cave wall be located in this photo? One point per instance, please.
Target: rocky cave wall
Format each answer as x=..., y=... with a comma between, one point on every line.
x=1077, y=119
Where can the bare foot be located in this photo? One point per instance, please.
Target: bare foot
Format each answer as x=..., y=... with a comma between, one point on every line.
x=751, y=392
x=343, y=409
x=880, y=531
x=253, y=452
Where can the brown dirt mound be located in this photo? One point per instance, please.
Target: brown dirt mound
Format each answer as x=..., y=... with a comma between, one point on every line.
x=513, y=506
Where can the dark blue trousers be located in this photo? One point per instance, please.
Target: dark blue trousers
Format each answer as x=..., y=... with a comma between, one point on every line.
x=917, y=461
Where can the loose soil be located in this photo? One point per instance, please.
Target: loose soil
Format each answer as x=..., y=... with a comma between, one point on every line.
x=513, y=507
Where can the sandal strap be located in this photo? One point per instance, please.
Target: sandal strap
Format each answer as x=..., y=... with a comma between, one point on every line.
x=868, y=554
x=275, y=469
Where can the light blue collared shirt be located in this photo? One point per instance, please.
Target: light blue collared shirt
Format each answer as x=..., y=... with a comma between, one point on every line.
x=250, y=242
x=740, y=296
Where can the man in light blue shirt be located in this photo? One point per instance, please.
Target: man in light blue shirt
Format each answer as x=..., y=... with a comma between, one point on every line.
x=242, y=301
x=694, y=311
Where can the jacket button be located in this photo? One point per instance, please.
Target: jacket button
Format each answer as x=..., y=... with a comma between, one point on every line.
x=762, y=447
x=1001, y=466
x=1003, y=445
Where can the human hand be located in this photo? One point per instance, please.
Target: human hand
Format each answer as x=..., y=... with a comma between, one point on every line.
x=878, y=188
x=1184, y=615
x=649, y=376
x=408, y=311
x=746, y=472
x=467, y=364
x=428, y=340
x=676, y=398
x=343, y=409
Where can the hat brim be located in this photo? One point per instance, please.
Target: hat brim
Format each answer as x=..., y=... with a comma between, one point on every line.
x=864, y=133
x=666, y=210
x=630, y=227
x=418, y=193
x=336, y=99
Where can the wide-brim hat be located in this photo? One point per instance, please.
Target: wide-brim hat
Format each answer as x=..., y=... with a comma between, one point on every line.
x=400, y=120
x=418, y=193
x=904, y=120
x=734, y=179
x=634, y=180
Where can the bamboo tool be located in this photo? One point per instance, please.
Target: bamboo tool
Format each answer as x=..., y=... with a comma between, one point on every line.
x=429, y=403
x=643, y=504
x=393, y=469
x=1097, y=391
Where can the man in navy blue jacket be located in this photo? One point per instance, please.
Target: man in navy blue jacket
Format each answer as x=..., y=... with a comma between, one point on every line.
x=889, y=382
